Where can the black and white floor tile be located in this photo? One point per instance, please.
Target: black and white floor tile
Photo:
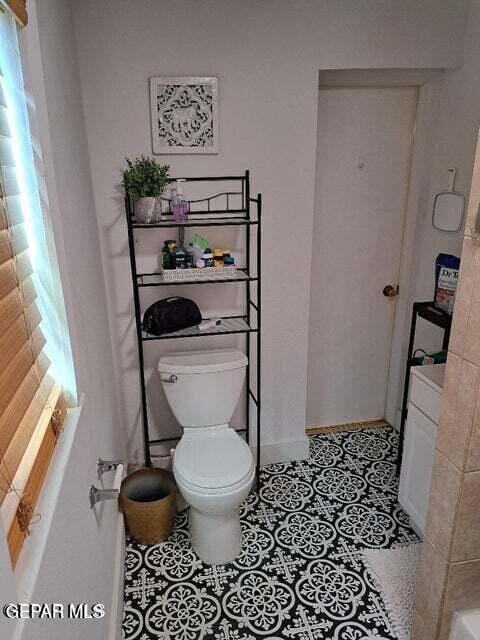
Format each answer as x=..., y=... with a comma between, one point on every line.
x=300, y=575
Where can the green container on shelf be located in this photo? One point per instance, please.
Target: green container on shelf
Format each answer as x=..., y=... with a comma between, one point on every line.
x=438, y=358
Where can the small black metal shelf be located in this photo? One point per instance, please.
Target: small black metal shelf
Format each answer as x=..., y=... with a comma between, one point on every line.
x=157, y=279
x=430, y=313
x=216, y=210
x=207, y=221
x=229, y=326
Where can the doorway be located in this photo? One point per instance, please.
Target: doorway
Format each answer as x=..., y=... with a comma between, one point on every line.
x=364, y=150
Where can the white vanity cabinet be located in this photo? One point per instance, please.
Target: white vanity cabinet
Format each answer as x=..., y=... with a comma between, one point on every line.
x=426, y=384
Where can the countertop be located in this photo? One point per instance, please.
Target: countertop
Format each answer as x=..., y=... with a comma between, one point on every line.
x=432, y=374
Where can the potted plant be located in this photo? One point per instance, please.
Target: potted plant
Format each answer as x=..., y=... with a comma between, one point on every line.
x=144, y=181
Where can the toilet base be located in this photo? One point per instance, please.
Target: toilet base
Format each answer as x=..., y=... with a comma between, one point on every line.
x=216, y=538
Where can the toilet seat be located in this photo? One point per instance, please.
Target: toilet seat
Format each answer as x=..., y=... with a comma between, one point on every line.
x=213, y=460
x=219, y=491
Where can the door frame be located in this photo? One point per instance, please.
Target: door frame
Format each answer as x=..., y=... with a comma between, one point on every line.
x=423, y=80
x=416, y=209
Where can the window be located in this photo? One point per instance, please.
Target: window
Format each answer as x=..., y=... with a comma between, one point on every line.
x=36, y=372
x=18, y=8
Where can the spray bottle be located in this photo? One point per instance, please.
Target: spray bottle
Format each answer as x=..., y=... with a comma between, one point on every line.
x=179, y=205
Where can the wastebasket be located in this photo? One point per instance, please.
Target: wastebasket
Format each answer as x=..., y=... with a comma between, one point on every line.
x=147, y=497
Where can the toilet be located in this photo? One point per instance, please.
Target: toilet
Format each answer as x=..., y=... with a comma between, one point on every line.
x=213, y=466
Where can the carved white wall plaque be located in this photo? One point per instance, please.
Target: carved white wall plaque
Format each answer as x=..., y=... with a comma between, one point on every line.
x=184, y=113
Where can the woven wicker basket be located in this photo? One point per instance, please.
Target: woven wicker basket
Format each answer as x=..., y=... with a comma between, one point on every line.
x=208, y=273
x=147, y=497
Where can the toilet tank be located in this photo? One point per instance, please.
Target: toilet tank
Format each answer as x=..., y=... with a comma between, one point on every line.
x=203, y=387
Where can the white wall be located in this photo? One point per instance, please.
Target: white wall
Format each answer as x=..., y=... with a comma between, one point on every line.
x=453, y=142
x=75, y=563
x=267, y=56
x=448, y=126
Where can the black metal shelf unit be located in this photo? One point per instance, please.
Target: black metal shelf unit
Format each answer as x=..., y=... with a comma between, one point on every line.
x=205, y=213
x=429, y=312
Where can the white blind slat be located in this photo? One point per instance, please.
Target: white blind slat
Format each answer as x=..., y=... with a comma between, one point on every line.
x=6, y=154
x=14, y=208
x=3, y=101
x=10, y=181
x=4, y=124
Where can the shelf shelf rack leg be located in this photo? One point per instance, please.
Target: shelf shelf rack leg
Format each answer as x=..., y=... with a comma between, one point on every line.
x=259, y=327
x=246, y=205
x=138, y=325
x=403, y=417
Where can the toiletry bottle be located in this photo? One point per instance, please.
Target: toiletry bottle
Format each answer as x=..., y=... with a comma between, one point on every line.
x=166, y=256
x=190, y=256
x=218, y=257
x=179, y=205
x=173, y=195
x=208, y=257
x=180, y=258
x=184, y=205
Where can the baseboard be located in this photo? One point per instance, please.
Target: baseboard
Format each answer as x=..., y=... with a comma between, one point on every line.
x=284, y=451
x=348, y=426
x=116, y=608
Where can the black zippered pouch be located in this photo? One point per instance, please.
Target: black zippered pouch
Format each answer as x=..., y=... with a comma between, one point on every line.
x=171, y=314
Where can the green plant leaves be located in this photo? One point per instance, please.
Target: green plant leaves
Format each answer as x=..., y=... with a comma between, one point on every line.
x=145, y=177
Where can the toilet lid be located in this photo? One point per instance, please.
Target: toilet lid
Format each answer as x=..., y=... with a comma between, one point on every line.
x=213, y=458
x=213, y=361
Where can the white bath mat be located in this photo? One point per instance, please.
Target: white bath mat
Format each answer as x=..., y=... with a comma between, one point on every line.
x=394, y=572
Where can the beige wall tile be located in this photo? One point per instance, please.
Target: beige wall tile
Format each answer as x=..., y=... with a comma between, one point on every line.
x=445, y=626
x=430, y=586
x=473, y=455
x=471, y=348
x=466, y=539
x=420, y=630
x=469, y=276
x=459, y=399
x=462, y=591
x=474, y=199
x=444, y=494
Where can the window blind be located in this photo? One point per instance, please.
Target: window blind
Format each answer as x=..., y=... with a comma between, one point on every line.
x=32, y=406
x=18, y=9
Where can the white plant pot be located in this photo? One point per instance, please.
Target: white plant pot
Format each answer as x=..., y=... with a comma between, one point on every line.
x=148, y=209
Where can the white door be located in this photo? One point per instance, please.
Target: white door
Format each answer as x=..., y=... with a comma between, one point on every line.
x=364, y=148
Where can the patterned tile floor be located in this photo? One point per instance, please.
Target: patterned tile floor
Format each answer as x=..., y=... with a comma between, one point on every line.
x=301, y=574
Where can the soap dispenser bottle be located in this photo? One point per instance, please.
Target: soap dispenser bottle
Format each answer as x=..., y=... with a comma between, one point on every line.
x=179, y=205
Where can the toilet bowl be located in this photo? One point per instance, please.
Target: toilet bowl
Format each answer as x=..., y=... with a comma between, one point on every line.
x=213, y=466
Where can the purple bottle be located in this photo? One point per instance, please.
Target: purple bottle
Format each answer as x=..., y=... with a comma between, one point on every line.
x=178, y=204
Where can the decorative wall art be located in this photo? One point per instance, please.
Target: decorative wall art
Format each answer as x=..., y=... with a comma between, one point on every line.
x=184, y=113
